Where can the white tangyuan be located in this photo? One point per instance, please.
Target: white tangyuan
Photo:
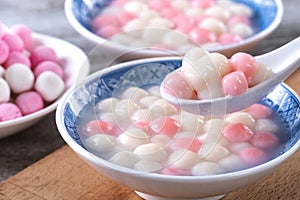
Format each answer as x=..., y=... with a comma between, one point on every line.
x=221, y=62
x=218, y=12
x=194, y=12
x=217, y=153
x=214, y=25
x=191, y=122
x=124, y=38
x=107, y=117
x=240, y=9
x=124, y=158
x=161, y=139
x=175, y=39
x=237, y=147
x=147, y=166
x=193, y=55
x=213, y=130
x=242, y=30
x=183, y=159
x=240, y=117
x=141, y=115
x=206, y=168
x=49, y=85
x=185, y=134
x=262, y=73
x=147, y=15
x=232, y=163
x=134, y=94
x=266, y=125
x=181, y=5
x=204, y=77
x=106, y=105
x=151, y=151
x=147, y=100
x=101, y=143
x=132, y=138
x=135, y=7
x=165, y=106
x=123, y=111
x=154, y=91
x=2, y=71
x=5, y=91
x=160, y=22
x=19, y=77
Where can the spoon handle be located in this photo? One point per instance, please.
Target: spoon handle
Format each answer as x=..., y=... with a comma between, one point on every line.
x=284, y=60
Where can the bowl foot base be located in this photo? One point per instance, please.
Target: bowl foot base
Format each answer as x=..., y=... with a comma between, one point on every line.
x=152, y=197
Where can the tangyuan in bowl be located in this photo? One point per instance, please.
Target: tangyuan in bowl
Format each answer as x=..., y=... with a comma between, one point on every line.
x=223, y=26
x=117, y=122
x=36, y=70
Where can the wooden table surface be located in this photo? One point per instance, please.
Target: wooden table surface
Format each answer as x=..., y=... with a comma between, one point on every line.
x=27, y=150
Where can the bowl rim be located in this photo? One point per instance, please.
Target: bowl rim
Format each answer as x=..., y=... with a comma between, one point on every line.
x=99, y=161
x=41, y=39
x=149, y=52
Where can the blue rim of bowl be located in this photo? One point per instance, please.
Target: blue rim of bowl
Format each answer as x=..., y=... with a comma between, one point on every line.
x=266, y=28
x=74, y=142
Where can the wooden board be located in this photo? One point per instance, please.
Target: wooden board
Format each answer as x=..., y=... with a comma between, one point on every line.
x=63, y=175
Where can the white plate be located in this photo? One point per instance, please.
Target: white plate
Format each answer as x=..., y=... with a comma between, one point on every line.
x=75, y=65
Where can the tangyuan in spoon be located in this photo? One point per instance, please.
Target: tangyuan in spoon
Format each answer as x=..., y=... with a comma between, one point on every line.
x=211, y=84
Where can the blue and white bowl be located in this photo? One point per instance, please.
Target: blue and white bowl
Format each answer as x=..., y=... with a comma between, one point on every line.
x=267, y=17
x=102, y=84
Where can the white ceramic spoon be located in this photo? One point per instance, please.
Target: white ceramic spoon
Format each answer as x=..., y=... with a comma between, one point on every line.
x=283, y=61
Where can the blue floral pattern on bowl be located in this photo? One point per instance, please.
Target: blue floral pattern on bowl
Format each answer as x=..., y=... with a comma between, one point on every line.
x=282, y=99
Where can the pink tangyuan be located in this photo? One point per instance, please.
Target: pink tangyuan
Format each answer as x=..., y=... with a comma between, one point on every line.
x=237, y=132
x=108, y=31
x=229, y=38
x=203, y=3
x=253, y=155
x=30, y=102
x=202, y=36
x=237, y=19
x=259, y=111
x=169, y=12
x=17, y=57
x=175, y=171
x=265, y=140
x=9, y=111
x=125, y=17
x=4, y=51
x=186, y=143
x=175, y=84
x=234, y=83
x=182, y=19
x=25, y=34
x=105, y=20
x=14, y=42
x=48, y=66
x=96, y=127
x=165, y=125
x=158, y=5
x=42, y=53
x=244, y=62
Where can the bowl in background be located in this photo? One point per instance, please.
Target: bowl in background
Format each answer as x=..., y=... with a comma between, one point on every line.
x=267, y=16
x=75, y=66
x=102, y=84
